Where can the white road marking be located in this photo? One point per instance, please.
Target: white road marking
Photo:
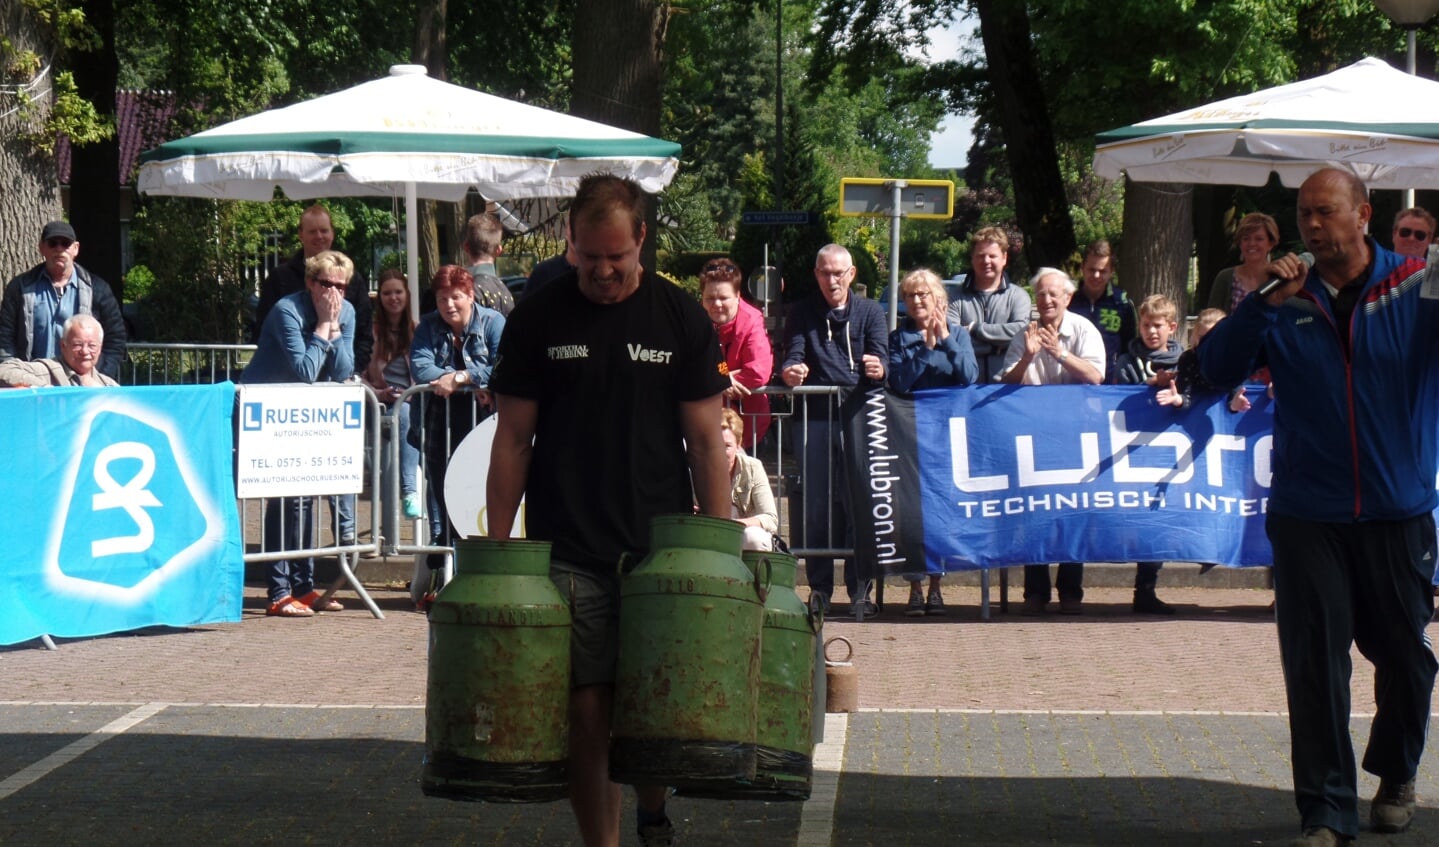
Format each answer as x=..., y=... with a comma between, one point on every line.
x=76, y=749
x=816, y=819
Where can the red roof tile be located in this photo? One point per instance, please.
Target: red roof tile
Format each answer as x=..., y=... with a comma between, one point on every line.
x=142, y=120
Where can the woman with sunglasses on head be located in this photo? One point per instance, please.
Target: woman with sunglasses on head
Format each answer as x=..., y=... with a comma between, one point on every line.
x=389, y=374
x=1256, y=237
x=747, y=350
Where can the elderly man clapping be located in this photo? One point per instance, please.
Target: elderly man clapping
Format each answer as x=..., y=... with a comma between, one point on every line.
x=81, y=340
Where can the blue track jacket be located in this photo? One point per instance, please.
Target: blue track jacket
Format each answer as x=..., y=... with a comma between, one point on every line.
x=1354, y=436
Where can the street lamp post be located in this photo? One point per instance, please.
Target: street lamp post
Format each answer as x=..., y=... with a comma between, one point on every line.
x=1410, y=14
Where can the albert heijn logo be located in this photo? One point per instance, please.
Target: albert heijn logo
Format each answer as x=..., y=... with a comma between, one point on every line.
x=260, y=415
x=133, y=512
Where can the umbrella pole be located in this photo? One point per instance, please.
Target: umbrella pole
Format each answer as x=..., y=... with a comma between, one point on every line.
x=412, y=255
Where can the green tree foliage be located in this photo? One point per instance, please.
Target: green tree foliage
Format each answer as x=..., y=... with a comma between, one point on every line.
x=210, y=303
x=69, y=114
x=719, y=103
x=809, y=188
x=232, y=60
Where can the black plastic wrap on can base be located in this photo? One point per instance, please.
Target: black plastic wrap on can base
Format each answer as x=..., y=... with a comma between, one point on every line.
x=458, y=778
x=680, y=764
x=779, y=775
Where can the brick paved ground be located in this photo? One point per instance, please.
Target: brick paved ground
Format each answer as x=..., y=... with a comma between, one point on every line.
x=1105, y=729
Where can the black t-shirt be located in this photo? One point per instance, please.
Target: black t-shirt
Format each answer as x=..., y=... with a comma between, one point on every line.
x=608, y=379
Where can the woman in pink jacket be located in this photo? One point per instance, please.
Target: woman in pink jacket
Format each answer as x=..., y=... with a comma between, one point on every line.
x=747, y=350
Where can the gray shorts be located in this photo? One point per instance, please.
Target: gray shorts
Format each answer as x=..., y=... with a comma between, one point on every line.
x=594, y=601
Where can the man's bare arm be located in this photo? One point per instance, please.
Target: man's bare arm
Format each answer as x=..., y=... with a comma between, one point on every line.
x=509, y=462
x=704, y=448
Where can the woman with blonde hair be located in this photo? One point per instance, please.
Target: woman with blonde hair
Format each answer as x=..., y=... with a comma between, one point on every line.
x=926, y=350
x=751, y=499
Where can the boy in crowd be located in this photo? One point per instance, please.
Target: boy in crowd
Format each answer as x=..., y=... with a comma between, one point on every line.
x=1154, y=350
x=1177, y=387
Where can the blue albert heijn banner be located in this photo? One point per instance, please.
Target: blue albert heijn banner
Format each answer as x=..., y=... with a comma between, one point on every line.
x=1010, y=475
x=123, y=510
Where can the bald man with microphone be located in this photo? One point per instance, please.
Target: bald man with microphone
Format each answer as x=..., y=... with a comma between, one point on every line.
x=1352, y=346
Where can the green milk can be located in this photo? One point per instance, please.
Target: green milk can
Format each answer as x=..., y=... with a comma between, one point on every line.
x=497, y=698
x=784, y=769
x=783, y=744
x=687, y=680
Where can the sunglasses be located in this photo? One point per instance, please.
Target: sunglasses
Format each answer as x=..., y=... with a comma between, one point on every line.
x=336, y=286
x=59, y=242
x=1406, y=232
x=718, y=266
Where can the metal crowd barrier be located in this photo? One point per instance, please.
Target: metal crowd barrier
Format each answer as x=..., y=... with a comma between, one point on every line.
x=346, y=554
x=790, y=425
x=416, y=401
x=184, y=364
x=391, y=534
x=786, y=451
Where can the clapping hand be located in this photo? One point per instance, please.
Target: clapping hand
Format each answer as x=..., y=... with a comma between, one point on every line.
x=935, y=329
x=1047, y=338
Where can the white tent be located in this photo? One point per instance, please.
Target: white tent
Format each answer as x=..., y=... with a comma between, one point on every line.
x=1378, y=122
x=404, y=135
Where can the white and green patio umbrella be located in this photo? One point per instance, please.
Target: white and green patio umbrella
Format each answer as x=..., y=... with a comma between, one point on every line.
x=404, y=135
x=1378, y=122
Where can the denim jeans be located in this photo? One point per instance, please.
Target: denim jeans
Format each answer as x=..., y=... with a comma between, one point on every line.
x=342, y=507
x=289, y=525
x=409, y=454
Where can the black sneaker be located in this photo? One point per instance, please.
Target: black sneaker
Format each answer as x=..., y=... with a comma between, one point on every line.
x=1147, y=603
x=868, y=611
x=915, y=609
x=820, y=599
x=659, y=835
x=1320, y=836
x=935, y=604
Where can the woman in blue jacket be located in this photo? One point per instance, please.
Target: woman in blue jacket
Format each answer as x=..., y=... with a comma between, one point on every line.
x=927, y=351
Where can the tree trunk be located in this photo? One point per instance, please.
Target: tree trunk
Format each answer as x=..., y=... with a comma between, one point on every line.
x=617, y=46
x=1211, y=246
x=1039, y=200
x=430, y=45
x=1154, y=258
x=95, y=167
x=31, y=192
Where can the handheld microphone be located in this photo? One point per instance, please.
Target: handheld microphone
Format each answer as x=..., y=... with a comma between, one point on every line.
x=1269, y=287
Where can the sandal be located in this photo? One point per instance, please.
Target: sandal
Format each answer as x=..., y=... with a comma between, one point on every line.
x=289, y=608
x=312, y=602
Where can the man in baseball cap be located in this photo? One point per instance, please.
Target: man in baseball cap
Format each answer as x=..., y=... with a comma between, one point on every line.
x=38, y=302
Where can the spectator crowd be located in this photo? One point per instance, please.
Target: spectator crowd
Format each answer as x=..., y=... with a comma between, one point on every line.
x=619, y=399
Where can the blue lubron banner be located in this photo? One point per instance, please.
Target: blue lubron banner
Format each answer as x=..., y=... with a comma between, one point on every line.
x=1010, y=475
x=123, y=507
